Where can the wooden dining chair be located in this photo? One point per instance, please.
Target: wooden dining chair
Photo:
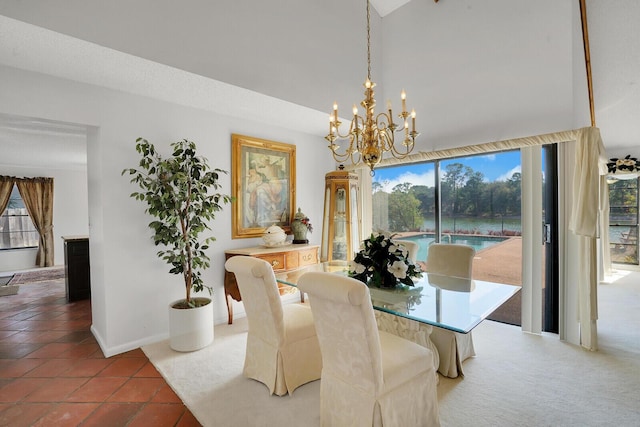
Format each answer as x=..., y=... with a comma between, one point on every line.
x=369, y=377
x=282, y=346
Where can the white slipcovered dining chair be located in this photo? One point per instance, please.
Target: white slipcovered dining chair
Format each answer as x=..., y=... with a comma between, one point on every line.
x=369, y=377
x=453, y=347
x=412, y=330
x=411, y=247
x=282, y=346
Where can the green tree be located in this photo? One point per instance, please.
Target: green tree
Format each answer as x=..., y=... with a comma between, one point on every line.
x=404, y=209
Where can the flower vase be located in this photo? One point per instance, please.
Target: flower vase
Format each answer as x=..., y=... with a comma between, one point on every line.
x=299, y=232
x=300, y=226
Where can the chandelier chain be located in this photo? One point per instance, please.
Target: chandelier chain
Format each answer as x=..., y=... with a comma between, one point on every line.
x=368, y=43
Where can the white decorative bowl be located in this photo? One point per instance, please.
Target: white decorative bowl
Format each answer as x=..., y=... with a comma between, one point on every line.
x=274, y=236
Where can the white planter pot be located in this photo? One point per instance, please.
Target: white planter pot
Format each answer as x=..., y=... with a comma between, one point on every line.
x=192, y=328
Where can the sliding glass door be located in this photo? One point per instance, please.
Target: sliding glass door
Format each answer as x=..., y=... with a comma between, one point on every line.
x=474, y=200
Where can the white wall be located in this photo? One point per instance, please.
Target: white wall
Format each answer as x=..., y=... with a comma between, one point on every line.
x=130, y=285
x=70, y=213
x=482, y=71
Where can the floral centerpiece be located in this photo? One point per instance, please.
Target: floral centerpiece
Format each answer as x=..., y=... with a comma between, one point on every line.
x=383, y=263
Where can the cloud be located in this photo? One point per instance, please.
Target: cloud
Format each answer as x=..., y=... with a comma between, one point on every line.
x=426, y=178
x=507, y=175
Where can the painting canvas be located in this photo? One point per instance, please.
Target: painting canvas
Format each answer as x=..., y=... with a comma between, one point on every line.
x=263, y=176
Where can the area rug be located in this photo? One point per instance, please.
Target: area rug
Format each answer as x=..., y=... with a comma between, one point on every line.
x=38, y=275
x=516, y=379
x=7, y=289
x=211, y=384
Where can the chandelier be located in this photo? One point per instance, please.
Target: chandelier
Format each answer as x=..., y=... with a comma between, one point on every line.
x=372, y=135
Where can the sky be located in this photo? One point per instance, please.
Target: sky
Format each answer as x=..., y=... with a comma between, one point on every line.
x=495, y=167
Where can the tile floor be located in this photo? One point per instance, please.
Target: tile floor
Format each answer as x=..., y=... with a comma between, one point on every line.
x=53, y=373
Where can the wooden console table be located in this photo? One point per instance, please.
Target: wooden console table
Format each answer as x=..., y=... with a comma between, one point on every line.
x=281, y=258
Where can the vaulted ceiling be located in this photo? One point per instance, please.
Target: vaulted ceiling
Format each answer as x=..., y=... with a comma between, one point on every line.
x=613, y=35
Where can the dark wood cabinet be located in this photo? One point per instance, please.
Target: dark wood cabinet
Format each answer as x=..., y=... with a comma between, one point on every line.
x=76, y=264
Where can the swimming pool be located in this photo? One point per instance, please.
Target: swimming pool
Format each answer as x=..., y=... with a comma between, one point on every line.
x=476, y=242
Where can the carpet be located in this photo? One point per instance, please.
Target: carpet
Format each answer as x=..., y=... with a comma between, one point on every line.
x=5, y=288
x=516, y=379
x=38, y=275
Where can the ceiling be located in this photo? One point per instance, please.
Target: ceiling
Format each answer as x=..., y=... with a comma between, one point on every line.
x=385, y=7
x=614, y=47
x=614, y=42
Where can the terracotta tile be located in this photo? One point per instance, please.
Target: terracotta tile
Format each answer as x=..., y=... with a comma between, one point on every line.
x=49, y=336
x=71, y=325
x=86, y=367
x=158, y=415
x=23, y=315
x=166, y=395
x=6, y=314
x=148, y=371
x=46, y=315
x=80, y=351
x=37, y=325
x=50, y=368
x=75, y=336
x=13, y=368
x=17, y=350
x=123, y=367
x=133, y=353
x=97, y=389
x=17, y=389
x=112, y=414
x=23, y=337
x=6, y=334
x=56, y=390
x=137, y=390
x=24, y=415
x=50, y=350
x=188, y=420
x=66, y=414
x=11, y=325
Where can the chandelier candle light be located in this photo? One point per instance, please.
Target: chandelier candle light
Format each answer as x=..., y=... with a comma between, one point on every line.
x=372, y=135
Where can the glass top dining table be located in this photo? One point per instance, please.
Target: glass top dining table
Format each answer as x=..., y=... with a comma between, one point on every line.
x=448, y=302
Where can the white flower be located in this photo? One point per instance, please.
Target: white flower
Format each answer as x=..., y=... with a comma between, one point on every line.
x=358, y=268
x=398, y=269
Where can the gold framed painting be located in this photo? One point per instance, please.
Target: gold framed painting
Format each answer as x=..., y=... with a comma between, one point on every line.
x=263, y=176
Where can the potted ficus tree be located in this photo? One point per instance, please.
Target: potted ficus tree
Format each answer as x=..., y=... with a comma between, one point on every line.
x=179, y=193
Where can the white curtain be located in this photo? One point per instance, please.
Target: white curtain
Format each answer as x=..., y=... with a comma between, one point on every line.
x=585, y=203
x=531, y=293
x=590, y=164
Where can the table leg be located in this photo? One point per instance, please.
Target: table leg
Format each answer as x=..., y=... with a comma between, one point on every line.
x=229, y=309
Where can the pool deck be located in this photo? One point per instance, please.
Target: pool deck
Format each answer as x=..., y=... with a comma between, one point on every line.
x=501, y=263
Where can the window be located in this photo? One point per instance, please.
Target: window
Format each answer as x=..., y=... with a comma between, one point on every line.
x=623, y=221
x=16, y=228
x=478, y=195
x=473, y=200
